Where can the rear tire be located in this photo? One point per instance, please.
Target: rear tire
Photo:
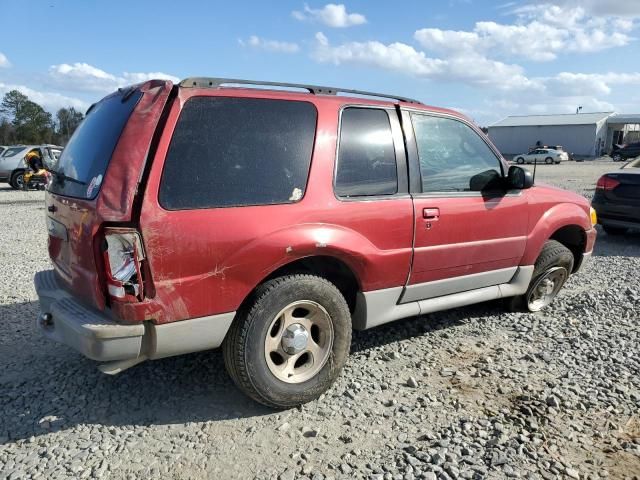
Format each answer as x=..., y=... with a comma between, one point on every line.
x=616, y=157
x=614, y=230
x=551, y=270
x=519, y=160
x=267, y=352
x=17, y=180
x=548, y=160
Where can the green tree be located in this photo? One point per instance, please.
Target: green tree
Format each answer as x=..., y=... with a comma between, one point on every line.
x=68, y=121
x=13, y=103
x=7, y=132
x=31, y=122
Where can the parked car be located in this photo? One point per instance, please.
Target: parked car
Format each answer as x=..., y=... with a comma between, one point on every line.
x=546, y=155
x=272, y=223
x=617, y=199
x=2, y=149
x=12, y=166
x=625, y=152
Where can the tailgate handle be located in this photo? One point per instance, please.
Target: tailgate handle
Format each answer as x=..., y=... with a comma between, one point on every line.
x=431, y=213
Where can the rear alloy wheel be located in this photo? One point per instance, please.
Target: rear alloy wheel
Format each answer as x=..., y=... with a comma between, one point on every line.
x=616, y=157
x=548, y=160
x=615, y=230
x=17, y=180
x=520, y=160
x=551, y=271
x=289, y=343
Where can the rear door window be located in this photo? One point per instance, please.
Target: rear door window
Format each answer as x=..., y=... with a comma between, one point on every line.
x=366, y=163
x=85, y=159
x=13, y=151
x=238, y=151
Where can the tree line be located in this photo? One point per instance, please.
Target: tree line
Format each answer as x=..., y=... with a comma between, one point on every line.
x=23, y=121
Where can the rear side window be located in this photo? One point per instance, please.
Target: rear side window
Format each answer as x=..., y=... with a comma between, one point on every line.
x=366, y=156
x=84, y=160
x=238, y=151
x=13, y=151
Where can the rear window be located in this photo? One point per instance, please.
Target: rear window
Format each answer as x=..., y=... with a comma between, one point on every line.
x=85, y=158
x=238, y=151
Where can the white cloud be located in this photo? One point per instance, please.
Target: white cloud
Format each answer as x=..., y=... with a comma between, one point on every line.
x=50, y=101
x=4, y=61
x=623, y=8
x=87, y=78
x=403, y=58
x=541, y=33
x=331, y=15
x=269, y=45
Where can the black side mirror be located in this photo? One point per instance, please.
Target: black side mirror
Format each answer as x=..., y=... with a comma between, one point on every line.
x=519, y=178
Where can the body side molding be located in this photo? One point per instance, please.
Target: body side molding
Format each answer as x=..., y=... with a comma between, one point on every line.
x=381, y=306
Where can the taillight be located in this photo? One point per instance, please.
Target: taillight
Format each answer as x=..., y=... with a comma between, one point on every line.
x=123, y=256
x=607, y=183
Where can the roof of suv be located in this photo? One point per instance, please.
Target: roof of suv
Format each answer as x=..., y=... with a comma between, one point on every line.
x=285, y=88
x=206, y=82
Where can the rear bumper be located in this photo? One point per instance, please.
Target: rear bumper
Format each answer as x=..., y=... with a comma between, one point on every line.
x=95, y=335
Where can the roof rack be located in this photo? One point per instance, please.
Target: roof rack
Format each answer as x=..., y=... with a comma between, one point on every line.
x=205, y=82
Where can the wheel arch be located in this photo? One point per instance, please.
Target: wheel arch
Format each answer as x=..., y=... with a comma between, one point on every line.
x=566, y=223
x=329, y=267
x=575, y=239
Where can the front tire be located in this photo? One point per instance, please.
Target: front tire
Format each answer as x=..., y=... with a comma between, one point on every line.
x=616, y=157
x=289, y=343
x=519, y=160
x=551, y=270
x=548, y=160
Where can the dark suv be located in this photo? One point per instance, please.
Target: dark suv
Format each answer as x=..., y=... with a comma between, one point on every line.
x=626, y=152
x=272, y=222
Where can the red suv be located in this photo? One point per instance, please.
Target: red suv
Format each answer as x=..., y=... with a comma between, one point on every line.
x=273, y=222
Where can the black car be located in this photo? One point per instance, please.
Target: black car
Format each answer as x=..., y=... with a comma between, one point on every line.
x=628, y=151
x=617, y=199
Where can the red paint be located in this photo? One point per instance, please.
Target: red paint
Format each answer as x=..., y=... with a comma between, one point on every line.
x=203, y=262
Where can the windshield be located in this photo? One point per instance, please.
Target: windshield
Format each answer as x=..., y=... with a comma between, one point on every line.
x=83, y=162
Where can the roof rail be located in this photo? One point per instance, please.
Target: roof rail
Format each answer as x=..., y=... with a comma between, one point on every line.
x=205, y=82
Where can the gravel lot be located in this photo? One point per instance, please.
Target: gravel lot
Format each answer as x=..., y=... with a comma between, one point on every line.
x=471, y=393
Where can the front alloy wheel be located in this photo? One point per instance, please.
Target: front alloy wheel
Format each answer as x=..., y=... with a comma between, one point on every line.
x=545, y=289
x=550, y=272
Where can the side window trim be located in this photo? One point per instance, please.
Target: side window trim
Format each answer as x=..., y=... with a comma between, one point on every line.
x=414, y=160
x=399, y=150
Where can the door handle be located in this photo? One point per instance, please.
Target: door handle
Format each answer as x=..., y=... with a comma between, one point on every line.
x=431, y=213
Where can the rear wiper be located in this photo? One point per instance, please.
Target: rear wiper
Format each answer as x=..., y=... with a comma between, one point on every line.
x=62, y=176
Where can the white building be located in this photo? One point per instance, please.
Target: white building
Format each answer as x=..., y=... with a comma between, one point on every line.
x=583, y=134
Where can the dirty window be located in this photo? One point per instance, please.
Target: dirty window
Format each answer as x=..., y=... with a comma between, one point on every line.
x=366, y=156
x=238, y=151
x=453, y=157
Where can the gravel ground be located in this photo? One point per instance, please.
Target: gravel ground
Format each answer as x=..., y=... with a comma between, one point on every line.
x=471, y=393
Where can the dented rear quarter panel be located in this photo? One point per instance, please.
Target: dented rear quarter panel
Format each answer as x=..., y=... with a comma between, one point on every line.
x=75, y=259
x=207, y=261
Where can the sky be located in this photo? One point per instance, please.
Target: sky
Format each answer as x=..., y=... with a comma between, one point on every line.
x=486, y=59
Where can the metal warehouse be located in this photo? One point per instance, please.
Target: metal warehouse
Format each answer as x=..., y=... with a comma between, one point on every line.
x=583, y=134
